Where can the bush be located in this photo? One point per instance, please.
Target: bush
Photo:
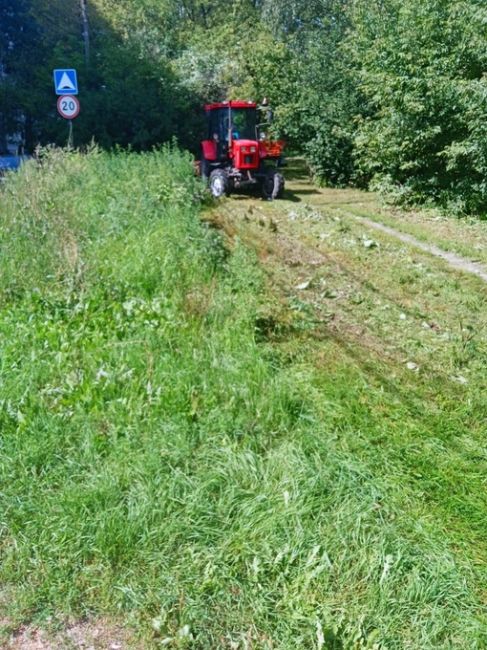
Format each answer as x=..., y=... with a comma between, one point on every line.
x=422, y=74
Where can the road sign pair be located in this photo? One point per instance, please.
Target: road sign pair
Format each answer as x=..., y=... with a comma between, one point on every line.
x=66, y=86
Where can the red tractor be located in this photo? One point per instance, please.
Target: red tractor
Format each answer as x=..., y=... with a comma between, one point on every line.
x=236, y=153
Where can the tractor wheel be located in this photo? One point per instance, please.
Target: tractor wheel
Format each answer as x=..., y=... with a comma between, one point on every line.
x=219, y=185
x=273, y=185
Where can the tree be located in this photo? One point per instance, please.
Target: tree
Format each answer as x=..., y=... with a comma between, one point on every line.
x=422, y=68
x=18, y=33
x=311, y=81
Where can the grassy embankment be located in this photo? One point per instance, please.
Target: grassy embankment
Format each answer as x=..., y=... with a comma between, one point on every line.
x=185, y=450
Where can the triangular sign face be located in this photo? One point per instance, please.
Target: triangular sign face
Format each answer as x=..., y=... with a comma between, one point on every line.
x=66, y=83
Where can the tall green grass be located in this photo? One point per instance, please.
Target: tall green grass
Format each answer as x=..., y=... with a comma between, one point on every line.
x=160, y=464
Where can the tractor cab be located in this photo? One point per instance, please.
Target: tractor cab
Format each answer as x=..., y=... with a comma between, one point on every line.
x=235, y=155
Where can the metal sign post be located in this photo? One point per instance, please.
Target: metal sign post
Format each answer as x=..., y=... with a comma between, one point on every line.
x=70, y=134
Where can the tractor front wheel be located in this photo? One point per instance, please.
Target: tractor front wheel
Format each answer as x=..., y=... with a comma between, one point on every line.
x=273, y=185
x=219, y=184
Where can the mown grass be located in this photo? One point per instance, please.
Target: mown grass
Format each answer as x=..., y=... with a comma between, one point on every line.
x=162, y=461
x=462, y=235
x=374, y=311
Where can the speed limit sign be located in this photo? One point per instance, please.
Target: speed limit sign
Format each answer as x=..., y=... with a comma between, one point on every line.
x=68, y=106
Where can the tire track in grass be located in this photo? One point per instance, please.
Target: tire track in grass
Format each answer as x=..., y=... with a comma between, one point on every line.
x=301, y=189
x=427, y=454
x=452, y=259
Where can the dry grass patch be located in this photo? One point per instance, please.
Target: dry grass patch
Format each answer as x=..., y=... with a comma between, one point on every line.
x=102, y=634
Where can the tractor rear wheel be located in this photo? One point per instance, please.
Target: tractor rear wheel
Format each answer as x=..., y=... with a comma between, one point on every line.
x=273, y=185
x=219, y=183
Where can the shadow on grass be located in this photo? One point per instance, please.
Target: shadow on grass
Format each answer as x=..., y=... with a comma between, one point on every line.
x=296, y=195
x=296, y=169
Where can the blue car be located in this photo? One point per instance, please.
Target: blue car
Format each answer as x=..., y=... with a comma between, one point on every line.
x=10, y=163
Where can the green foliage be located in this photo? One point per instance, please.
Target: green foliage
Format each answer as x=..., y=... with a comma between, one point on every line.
x=154, y=64
x=392, y=94
x=326, y=107
x=299, y=62
x=18, y=35
x=129, y=94
x=422, y=69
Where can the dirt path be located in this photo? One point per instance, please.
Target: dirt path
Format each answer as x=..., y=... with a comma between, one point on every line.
x=465, y=239
x=102, y=634
x=455, y=261
x=459, y=243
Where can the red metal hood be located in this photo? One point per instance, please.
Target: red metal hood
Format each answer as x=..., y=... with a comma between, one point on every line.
x=245, y=143
x=233, y=104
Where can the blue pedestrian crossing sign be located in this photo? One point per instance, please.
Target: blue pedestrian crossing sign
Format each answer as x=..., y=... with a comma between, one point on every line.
x=65, y=82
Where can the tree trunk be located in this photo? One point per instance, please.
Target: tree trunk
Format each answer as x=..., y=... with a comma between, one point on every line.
x=86, y=30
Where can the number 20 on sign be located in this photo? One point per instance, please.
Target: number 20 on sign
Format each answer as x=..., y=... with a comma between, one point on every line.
x=68, y=106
